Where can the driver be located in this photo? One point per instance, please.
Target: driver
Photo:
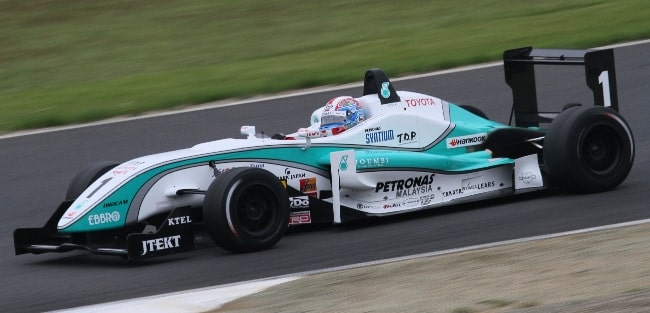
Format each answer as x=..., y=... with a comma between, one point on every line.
x=340, y=114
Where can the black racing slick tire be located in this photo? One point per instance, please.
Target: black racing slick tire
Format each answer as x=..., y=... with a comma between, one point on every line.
x=588, y=149
x=86, y=176
x=246, y=209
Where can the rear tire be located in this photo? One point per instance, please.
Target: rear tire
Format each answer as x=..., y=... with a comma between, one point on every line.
x=246, y=209
x=588, y=149
x=86, y=176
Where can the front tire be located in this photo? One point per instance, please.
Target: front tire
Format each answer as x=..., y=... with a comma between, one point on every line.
x=588, y=149
x=86, y=176
x=246, y=209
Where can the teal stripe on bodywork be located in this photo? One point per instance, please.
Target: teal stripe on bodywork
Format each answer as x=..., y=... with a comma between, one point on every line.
x=126, y=192
x=405, y=160
x=437, y=158
x=461, y=116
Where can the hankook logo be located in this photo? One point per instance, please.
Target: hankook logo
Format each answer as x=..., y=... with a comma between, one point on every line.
x=464, y=141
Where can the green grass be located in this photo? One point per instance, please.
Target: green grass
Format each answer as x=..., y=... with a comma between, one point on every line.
x=72, y=61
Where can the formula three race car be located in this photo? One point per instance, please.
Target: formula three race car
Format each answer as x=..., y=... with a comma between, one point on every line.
x=404, y=151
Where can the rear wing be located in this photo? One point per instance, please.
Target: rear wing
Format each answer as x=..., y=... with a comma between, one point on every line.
x=519, y=65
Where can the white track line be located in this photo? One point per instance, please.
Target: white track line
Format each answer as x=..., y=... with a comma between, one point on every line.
x=212, y=298
x=196, y=300
x=479, y=247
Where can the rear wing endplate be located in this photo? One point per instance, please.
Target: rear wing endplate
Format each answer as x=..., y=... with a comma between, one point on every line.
x=519, y=67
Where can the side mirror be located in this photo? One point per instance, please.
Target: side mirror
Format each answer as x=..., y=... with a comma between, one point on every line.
x=308, y=133
x=248, y=131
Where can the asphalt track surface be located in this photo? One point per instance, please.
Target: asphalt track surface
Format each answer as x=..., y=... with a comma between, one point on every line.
x=35, y=170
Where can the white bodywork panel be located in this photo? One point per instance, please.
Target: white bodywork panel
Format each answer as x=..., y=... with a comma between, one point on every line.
x=386, y=192
x=416, y=122
x=527, y=173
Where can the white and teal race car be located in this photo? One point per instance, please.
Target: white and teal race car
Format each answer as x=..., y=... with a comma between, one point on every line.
x=410, y=152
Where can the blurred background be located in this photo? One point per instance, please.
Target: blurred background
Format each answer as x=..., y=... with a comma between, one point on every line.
x=65, y=62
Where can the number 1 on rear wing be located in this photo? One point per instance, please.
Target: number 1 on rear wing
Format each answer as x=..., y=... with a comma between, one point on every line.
x=519, y=65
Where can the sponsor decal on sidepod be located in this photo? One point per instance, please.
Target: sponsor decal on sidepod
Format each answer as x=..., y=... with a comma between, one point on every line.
x=302, y=217
x=299, y=202
x=308, y=186
x=401, y=184
x=464, y=141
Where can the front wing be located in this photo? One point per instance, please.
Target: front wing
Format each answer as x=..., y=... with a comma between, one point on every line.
x=174, y=235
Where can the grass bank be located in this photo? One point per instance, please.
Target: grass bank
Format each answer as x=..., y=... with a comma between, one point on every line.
x=65, y=62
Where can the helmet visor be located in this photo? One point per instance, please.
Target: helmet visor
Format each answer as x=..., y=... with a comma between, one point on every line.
x=336, y=118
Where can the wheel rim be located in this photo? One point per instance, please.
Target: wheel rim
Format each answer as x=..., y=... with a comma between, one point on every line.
x=257, y=210
x=601, y=149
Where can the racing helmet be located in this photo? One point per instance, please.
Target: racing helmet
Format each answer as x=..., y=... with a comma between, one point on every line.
x=340, y=114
